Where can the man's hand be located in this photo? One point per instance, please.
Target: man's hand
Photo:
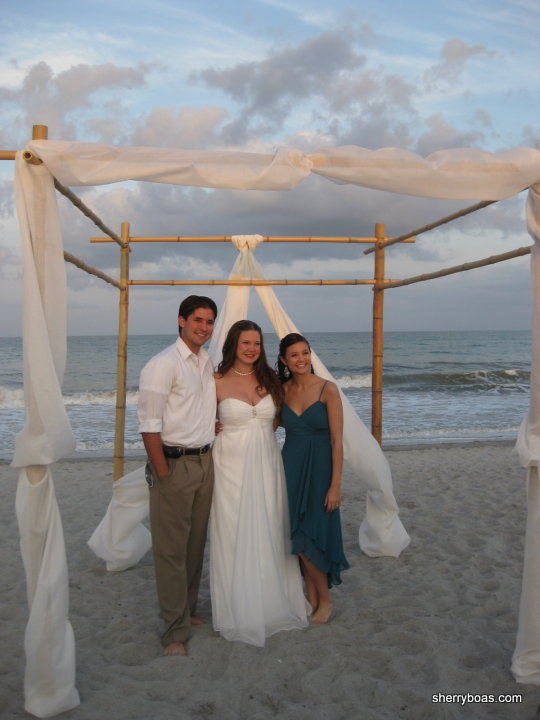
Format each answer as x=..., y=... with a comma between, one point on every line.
x=154, y=449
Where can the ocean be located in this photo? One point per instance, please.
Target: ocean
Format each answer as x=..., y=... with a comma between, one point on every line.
x=438, y=386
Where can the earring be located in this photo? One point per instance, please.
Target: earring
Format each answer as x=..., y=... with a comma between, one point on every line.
x=286, y=372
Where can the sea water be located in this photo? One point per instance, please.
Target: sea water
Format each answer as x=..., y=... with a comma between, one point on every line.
x=438, y=386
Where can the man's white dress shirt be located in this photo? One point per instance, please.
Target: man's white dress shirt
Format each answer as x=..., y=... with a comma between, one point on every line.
x=177, y=397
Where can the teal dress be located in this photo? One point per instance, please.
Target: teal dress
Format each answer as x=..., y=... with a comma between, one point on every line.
x=307, y=457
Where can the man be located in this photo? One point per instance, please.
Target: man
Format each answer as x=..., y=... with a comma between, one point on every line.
x=177, y=413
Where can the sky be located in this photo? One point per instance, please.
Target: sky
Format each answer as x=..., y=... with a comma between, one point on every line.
x=258, y=75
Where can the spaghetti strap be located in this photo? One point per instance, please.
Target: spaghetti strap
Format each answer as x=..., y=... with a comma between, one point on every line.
x=325, y=383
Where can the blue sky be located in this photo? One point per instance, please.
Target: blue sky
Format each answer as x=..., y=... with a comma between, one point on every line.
x=257, y=75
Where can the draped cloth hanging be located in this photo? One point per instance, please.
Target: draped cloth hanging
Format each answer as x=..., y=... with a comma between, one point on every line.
x=526, y=658
x=49, y=678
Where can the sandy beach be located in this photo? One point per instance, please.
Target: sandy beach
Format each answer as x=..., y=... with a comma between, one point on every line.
x=440, y=620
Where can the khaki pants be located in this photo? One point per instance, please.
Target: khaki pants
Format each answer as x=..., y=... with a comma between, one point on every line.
x=179, y=510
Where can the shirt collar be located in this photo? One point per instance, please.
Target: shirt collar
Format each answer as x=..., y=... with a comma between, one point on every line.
x=185, y=352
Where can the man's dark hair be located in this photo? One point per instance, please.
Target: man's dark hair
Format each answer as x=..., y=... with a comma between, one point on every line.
x=191, y=303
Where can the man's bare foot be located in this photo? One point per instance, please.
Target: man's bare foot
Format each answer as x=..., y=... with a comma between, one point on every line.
x=322, y=614
x=175, y=648
x=197, y=620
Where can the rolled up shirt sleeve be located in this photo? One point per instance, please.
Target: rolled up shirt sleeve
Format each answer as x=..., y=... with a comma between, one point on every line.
x=154, y=389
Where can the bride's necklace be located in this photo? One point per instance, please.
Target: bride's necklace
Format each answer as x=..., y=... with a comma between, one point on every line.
x=241, y=373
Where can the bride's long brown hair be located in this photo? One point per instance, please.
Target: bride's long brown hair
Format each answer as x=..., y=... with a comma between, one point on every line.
x=266, y=377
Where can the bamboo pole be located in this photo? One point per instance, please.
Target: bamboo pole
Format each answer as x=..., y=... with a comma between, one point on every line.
x=40, y=132
x=113, y=237
x=461, y=268
x=8, y=154
x=377, y=337
x=228, y=238
x=354, y=281
x=460, y=213
x=32, y=159
x=68, y=257
x=121, y=357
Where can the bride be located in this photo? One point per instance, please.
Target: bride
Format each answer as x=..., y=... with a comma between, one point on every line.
x=255, y=582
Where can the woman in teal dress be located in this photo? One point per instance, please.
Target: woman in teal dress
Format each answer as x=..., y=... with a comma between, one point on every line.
x=312, y=416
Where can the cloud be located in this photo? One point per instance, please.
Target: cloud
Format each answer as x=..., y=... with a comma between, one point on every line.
x=267, y=91
x=441, y=135
x=327, y=81
x=54, y=98
x=531, y=136
x=296, y=72
x=196, y=128
x=456, y=54
x=374, y=129
x=7, y=200
x=371, y=88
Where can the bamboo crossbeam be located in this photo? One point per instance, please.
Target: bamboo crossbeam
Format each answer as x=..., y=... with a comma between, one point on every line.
x=113, y=237
x=68, y=257
x=460, y=268
x=228, y=238
x=32, y=159
x=8, y=154
x=369, y=281
x=433, y=225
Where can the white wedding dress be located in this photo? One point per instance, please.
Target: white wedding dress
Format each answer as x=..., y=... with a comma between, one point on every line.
x=255, y=583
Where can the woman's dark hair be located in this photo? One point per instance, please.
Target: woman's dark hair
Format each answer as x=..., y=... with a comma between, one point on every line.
x=266, y=377
x=286, y=342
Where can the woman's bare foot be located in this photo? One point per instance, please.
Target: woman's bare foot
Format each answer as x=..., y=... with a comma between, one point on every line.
x=312, y=595
x=197, y=620
x=175, y=648
x=322, y=615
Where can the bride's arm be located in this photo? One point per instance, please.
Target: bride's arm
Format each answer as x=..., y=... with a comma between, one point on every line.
x=218, y=381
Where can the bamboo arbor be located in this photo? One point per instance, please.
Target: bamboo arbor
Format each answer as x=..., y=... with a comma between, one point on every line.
x=379, y=242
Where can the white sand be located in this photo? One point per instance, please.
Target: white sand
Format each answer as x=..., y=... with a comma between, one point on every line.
x=440, y=619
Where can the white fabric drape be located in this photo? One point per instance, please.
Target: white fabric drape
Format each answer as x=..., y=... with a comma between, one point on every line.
x=526, y=658
x=236, y=302
x=47, y=435
x=121, y=538
x=49, y=683
x=460, y=174
x=456, y=174
x=49, y=680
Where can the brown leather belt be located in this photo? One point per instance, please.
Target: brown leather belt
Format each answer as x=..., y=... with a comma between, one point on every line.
x=173, y=451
